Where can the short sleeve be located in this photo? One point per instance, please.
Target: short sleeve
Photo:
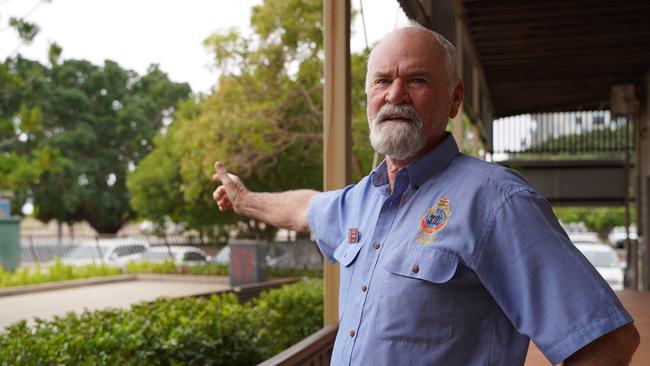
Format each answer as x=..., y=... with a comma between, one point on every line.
x=543, y=284
x=327, y=215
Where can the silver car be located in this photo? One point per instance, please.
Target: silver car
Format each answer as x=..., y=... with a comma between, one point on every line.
x=114, y=252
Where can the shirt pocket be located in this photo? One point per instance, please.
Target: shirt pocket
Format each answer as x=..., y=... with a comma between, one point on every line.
x=417, y=298
x=346, y=254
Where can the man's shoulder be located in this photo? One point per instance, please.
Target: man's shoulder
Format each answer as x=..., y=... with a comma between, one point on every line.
x=489, y=175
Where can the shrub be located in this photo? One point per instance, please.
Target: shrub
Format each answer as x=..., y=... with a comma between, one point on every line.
x=56, y=272
x=188, y=331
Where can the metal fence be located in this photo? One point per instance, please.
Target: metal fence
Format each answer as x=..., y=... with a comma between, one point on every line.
x=583, y=134
x=45, y=249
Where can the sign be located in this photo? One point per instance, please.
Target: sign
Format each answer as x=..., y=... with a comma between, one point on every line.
x=5, y=208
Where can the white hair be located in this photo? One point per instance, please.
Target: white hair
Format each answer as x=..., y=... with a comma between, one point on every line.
x=450, y=55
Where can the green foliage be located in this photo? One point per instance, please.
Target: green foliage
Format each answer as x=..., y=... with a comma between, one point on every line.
x=263, y=120
x=56, y=272
x=599, y=143
x=168, y=267
x=61, y=272
x=291, y=314
x=54, y=52
x=72, y=130
x=599, y=219
x=26, y=30
x=293, y=272
x=189, y=331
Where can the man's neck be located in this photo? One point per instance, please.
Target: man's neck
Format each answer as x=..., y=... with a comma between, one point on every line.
x=394, y=166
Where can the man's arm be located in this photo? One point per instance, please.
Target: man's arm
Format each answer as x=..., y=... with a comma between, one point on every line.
x=613, y=349
x=286, y=210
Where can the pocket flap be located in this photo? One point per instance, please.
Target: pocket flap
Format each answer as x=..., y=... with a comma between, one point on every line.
x=435, y=266
x=346, y=253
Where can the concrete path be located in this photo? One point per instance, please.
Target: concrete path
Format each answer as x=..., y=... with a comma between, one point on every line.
x=46, y=304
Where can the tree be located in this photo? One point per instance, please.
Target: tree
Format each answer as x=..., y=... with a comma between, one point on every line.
x=263, y=118
x=599, y=219
x=76, y=129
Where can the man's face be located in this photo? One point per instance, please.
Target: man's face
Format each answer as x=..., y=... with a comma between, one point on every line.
x=409, y=100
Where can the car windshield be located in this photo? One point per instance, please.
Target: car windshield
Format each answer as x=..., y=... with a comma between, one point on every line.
x=601, y=259
x=87, y=252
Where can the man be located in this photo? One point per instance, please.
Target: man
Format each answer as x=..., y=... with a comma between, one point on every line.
x=445, y=259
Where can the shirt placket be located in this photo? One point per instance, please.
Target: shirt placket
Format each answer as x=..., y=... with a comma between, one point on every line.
x=383, y=225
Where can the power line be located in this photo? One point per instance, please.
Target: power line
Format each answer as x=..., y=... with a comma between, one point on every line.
x=38, y=5
x=363, y=22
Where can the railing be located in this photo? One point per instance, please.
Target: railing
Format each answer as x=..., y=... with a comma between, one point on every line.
x=315, y=350
x=584, y=134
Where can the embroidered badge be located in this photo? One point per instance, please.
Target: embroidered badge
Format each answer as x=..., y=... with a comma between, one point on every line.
x=433, y=221
x=353, y=235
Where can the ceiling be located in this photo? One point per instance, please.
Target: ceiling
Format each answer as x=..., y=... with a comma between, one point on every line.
x=541, y=56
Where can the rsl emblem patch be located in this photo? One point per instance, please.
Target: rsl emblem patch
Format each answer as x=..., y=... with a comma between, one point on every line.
x=433, y=221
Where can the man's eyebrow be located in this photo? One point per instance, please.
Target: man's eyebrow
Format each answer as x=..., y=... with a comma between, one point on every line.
x=417, y=73
x=410, y=74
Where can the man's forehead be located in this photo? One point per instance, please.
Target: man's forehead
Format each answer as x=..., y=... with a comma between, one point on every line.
x=395, y=69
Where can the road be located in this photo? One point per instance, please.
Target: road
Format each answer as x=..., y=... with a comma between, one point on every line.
x=47, y=304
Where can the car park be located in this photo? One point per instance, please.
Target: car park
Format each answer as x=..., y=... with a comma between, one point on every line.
x=618, y=235
x=585, y=238
x=223, y=257
x=606, y=262
x=116, y=252
x=179, y=254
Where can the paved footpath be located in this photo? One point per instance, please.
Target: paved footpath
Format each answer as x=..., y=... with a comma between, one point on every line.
x=46, y=304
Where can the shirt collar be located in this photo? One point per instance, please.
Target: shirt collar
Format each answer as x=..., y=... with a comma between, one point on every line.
x=424, y=168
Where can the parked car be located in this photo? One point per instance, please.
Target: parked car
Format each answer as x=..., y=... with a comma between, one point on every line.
x=585, y=238
x=179, y=254
x=275, y=257
x=618, y=235
x=116, y=252
x=604, y=258
x=223, y=257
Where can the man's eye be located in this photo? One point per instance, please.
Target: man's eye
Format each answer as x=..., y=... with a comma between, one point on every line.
x=382, y=81
x=418, y=81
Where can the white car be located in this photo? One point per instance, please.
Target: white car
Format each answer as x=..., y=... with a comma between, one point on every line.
x=114, y=252
x=585, y=238
x=618, y=235
x=179, y=254
x=604, y=258
x=223, y=257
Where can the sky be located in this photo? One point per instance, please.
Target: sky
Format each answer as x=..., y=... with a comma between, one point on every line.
x=137, y=33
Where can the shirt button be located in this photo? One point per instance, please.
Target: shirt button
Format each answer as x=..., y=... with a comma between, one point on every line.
x=416, y=187
x=352, y=333
x=364, y=288
x=377, y=245
x=415, y=268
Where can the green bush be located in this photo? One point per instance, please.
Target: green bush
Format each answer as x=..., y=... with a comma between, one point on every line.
x=293, y=272
x=61, y=272
x=56, y=272
x=289, y=315
x=189, y=331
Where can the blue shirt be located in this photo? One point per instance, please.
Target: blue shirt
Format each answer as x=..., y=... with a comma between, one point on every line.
x=462, y=264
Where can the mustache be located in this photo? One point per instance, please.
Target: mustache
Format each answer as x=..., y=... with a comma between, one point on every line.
x=391, y=111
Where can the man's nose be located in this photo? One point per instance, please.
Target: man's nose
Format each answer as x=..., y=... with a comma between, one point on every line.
x=398, y=92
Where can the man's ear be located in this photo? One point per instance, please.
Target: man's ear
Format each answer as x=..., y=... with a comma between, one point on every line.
x=456, y=98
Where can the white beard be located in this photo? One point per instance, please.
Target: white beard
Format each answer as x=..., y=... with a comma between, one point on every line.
x=398, y=141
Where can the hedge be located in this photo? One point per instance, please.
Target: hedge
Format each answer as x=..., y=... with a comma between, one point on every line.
x=56, y=272
x=61, y=272
x=188, y=331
